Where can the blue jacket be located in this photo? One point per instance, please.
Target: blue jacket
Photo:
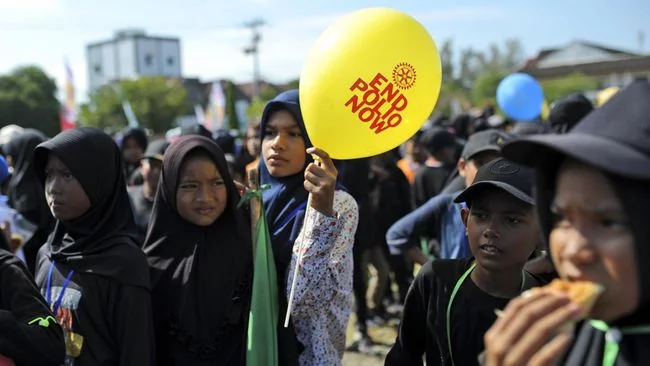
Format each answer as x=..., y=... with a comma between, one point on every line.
x=438, y=218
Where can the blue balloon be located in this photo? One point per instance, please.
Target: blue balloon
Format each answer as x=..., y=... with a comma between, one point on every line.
x=520, y=96
x=4, y=169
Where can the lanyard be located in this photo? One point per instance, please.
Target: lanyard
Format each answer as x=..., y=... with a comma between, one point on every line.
x=613, y=337
x=48, y=293
x=459, y=283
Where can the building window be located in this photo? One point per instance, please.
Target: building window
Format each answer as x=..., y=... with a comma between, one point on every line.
x=98, y=69
x=170, y=61
x=148, y=59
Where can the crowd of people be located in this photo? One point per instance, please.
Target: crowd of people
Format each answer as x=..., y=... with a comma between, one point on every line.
x=141, y=255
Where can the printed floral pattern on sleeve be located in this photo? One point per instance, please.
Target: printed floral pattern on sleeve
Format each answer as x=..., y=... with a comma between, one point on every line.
x=323, y=294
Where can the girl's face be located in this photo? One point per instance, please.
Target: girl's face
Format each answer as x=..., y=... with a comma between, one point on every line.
x=201, y=195
x=150, y=169
x=501, y=230
x=283, y=146
x=65, y=195
x=591, y=239
x=131, y=151
x=253, y=141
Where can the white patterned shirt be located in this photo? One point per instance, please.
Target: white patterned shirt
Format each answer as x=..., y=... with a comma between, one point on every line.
x=323, y=296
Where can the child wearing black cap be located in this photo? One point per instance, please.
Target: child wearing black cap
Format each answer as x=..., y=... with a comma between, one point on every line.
x=593, y=194
x=452, y=303
x=142, y=195
x=440, y=146
x=439, y=217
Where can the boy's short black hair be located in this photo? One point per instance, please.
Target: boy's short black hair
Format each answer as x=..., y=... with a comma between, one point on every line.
x=502, y=174
x=435, y=139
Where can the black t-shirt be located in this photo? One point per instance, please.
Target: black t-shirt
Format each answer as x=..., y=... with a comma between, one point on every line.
x=423, y=330
x=103, y=321
x=588, y=347
x=141, y=210
x=429, y=182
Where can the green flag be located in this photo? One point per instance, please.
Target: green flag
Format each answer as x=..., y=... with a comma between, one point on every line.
x=263, y=319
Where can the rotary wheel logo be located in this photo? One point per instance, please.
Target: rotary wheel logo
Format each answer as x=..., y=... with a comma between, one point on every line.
x=404, y=75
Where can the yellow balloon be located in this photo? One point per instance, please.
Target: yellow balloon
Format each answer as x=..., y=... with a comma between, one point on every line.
x=545, y=110
x=369, y=83
x=603, y=96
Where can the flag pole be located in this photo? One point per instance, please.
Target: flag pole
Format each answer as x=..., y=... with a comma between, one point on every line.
x=301, y=241
x=262, y=341
x=255, y=205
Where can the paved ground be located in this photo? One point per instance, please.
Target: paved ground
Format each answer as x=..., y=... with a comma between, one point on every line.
x=384, y=336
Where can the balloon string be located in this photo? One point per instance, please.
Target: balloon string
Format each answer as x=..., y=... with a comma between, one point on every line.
x=300, y=254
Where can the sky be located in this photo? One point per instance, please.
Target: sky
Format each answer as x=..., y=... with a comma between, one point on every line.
x=46, y=32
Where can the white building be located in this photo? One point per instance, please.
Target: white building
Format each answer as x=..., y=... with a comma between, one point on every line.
x=131, y=54
x=609, y=66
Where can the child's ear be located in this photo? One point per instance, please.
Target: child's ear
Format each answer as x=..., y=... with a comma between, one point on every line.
x=464, y=214
x=461, y=167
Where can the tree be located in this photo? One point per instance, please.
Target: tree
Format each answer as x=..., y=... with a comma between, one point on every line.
x=28, y=98
x=293, y=84
x=475, y=74
x=268, y=91
x=231, y=111
x=485, y=87
x=156, y=101
x=447, y=62
x=255, y=109
x=497, y=60
x=104, y=110
x=574, y=83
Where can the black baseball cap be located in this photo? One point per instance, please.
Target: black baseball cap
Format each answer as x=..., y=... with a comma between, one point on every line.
x=156, y=149
x=513, y=178
x=568, y=111
x=614, y=138
x=488, y=140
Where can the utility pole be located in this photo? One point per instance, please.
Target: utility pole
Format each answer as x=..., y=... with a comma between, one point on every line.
x=253, y=50
x=641, y=40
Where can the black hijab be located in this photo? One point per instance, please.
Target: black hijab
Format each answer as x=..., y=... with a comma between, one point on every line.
x=589, y=343
x=103, y=241
x=26, y=193
x=140, y=137
x=201, y=276
x=614, y=139
x=635, y=198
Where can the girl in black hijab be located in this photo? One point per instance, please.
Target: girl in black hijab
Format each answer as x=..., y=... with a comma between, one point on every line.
x=91, y=271
x=133, y=144
x=200, y=255
x=593, y=192
x=25, y=191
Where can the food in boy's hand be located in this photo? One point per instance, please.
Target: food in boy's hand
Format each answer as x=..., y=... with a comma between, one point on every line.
x=583, y=293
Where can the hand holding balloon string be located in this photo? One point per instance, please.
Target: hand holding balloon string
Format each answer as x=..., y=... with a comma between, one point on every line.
x=320, y=181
